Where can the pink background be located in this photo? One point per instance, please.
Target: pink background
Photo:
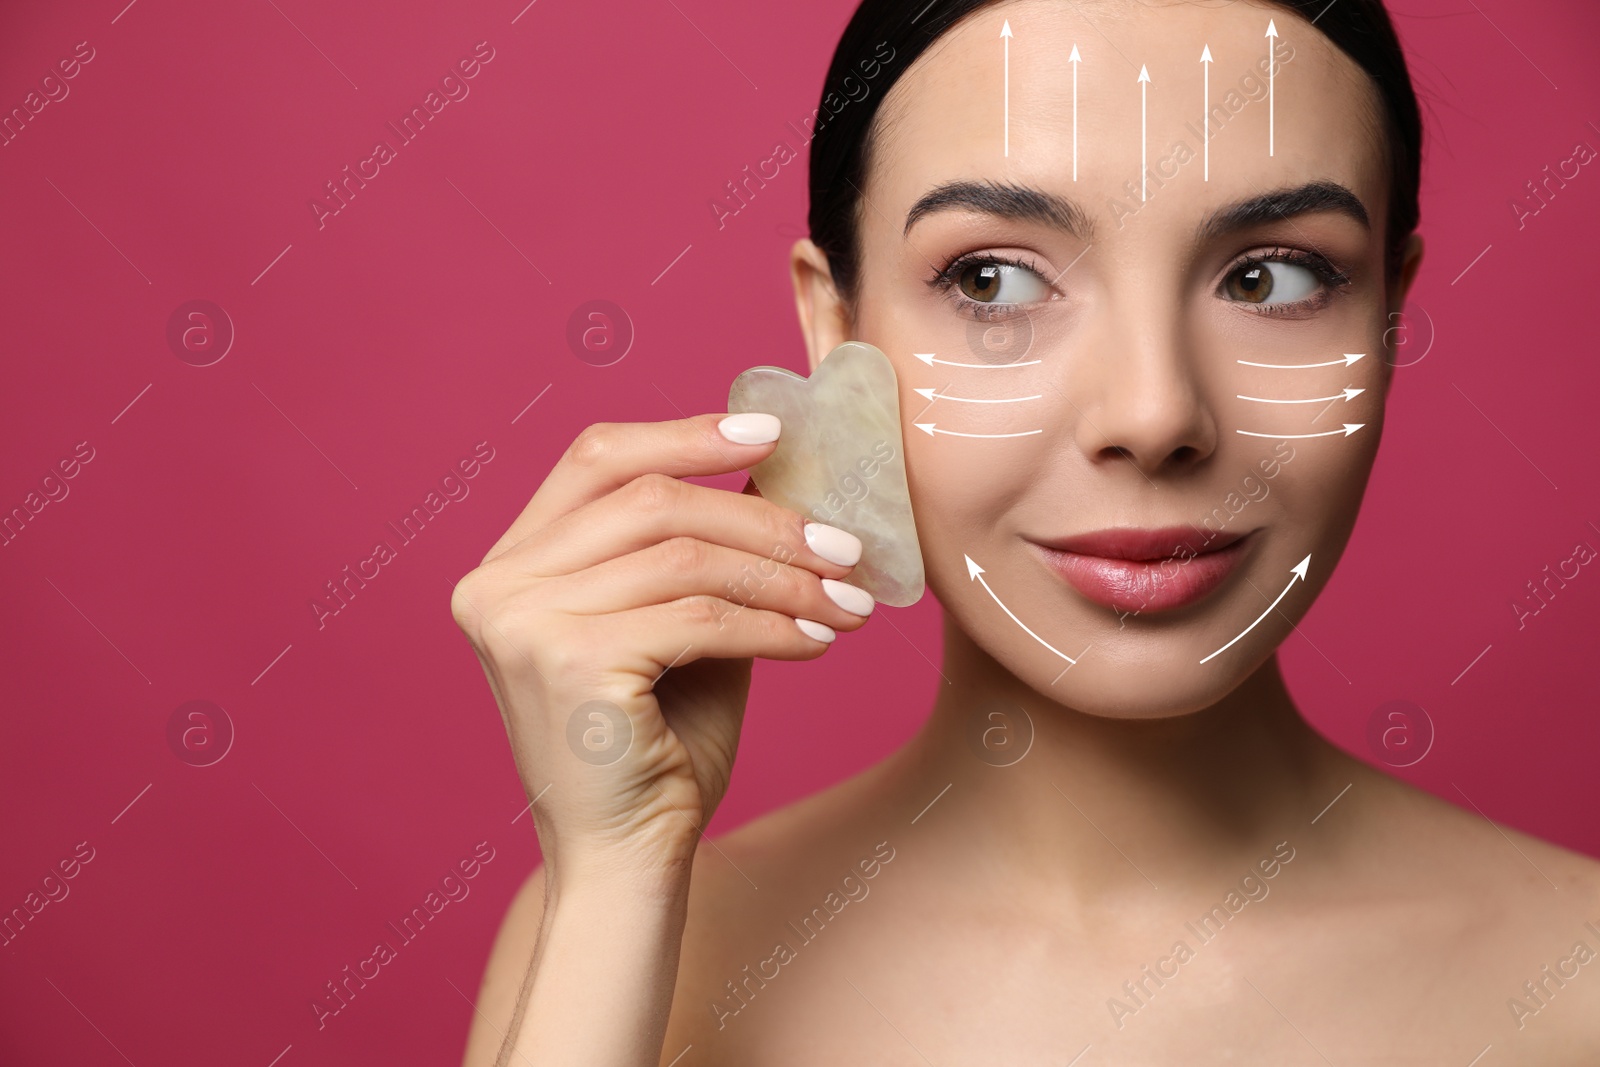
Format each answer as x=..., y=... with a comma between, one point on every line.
x=375, y=352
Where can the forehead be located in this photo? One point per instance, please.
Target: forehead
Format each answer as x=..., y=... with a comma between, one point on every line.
x=975, y=106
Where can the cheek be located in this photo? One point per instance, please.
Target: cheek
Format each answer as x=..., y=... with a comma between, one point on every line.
x=960, y=490
x=1317, y=494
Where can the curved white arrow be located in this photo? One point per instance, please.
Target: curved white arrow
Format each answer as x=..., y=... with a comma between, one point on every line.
x=927, y=428
x=928, y=358
x=975, y=571
x=1349, y=428
x=1348, y=359
x=1348, y=394
x=1299, y=572
x=929, y=394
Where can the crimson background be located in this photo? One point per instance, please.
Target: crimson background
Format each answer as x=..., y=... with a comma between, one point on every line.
x=374, y=352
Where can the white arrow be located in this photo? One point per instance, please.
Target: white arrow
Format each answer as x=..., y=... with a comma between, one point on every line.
x=1074, y=59
x=1272, y=70
x=1348, y=394
x=1144, y=88
x=927, y=428
x=1299, y=572
x=1005, y=37
x=1349, y=358
x=1205, y=57
x=975, y=571
x=929, y=394
x=928, y=358
x=1349, y=428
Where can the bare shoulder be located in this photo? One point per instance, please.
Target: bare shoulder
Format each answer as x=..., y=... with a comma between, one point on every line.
x=1508, y=921
x=1457, y=840
x=760, y=899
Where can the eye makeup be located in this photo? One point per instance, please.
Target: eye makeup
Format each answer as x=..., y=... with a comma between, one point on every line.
x=1330, y=279
x=947, y=281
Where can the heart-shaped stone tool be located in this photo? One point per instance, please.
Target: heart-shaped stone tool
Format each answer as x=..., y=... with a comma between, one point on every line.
x=840, y=460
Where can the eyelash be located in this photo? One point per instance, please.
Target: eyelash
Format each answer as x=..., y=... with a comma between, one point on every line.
x=1333, y=278
x=944, y=281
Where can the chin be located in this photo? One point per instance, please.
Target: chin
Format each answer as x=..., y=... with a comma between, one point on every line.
x=1146, y=679
x=1146, y=670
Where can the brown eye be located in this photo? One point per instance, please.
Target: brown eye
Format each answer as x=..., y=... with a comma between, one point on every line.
x=1272, y=281
x=991, y=282
x=1251, y=284
x=981, y=281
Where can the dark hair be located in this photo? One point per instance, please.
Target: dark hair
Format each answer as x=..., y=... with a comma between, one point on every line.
x=841, y=149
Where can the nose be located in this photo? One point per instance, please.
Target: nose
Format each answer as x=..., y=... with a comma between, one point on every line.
x=1141, y=397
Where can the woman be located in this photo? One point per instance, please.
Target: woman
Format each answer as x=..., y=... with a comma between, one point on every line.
x=1174, y=868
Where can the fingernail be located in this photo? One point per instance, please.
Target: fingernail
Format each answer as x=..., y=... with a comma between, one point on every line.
x=750, y=428
x=833, y=544
x=816, y=630
x=855, y=600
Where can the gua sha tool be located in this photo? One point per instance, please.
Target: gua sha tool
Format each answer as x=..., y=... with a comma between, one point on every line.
x=840, y=460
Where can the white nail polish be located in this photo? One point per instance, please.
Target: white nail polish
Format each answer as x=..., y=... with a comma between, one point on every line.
x=750, y=428
x=833, y=544
x=851, y=598
x=816, y=630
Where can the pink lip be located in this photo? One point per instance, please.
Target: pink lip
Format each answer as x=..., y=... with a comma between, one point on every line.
x=1137, y=570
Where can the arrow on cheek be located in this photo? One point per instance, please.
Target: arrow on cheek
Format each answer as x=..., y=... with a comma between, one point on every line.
x=976, y=572
x=927, y=428
x=1349, y=428
x=1345, y=361
x=1299, y=572
x=1348, y=394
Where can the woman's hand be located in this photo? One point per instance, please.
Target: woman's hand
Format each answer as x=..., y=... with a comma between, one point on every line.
x=617, y=619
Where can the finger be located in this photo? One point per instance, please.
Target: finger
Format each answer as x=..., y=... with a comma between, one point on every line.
x=684, y=566
x=706, y=627
x=654, y=508
x=607, y=455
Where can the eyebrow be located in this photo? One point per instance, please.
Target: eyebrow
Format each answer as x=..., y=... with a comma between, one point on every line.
x=1284, y=204
x=1002, y=200
x=1005, y=200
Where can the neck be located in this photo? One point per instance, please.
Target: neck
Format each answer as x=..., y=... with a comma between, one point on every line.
x=1105, y=805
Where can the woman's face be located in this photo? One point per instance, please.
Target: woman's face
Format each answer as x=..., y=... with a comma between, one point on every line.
x=1140, y=378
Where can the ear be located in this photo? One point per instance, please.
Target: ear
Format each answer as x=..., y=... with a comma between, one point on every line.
x=824, y=319
x=1410, y=262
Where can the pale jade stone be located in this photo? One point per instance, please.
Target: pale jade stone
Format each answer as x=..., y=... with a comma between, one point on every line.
x=840, y=460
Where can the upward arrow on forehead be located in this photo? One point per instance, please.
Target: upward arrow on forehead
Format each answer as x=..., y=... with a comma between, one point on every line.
x=1005, y=43
x=1205, y=122
x=1074, y=59
x=1272, y=70
x=1144, y=88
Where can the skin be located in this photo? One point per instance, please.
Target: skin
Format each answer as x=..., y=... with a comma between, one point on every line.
x=1017, y=900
